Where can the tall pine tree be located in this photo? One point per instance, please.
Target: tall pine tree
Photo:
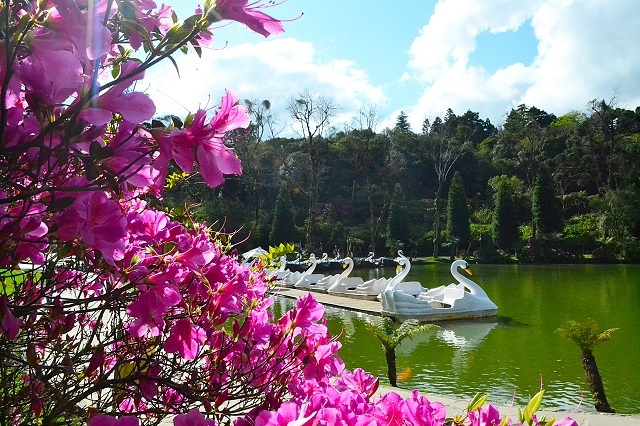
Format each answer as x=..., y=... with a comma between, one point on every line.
x=283, y=228
x=402, y=122
x=397, y=225
x=458, y=225
x=545, y=209
x=504, y=224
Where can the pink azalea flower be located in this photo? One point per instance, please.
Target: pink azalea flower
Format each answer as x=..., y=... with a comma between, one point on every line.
x=566, y=421
x=148, y=383
x=104, y=227
x=131, y=156
x=192, y=418
x=13, y=88
x=162, y=158
x=185, y=338
x=149, y=313
x=418, y=410
x=10, y=325
x=289, y=414
x=308, y=311
x=134, y=107
x=231, y=115
x=216, y=160
x=91, y=39
x=149, y=225
x=388, y=411
x=171, y=397
x=31, y=230
x=144, y=16
x=359, y=381
x=485, y=416
x=241, y=11
x=99, y=221
x=198, y=255
x=201, y=142
x=51, y=72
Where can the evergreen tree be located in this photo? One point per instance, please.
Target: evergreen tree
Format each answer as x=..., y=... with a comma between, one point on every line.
x=458, y=226
x=504, y=224
x=545, y=208
x=283, y=227
x=402, y=123
x=397, y=226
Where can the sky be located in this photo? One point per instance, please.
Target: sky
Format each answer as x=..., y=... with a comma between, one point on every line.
x=416, y=56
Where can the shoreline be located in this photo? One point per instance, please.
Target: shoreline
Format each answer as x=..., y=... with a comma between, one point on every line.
x=583, y=418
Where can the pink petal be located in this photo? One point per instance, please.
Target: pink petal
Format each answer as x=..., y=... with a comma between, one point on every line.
x=215, y=160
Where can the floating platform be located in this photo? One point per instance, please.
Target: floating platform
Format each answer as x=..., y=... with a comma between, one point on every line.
x=371, y=307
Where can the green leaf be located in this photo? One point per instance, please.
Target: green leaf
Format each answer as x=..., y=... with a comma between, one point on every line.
x=197, y=48
x=61, y=203
x=7, y=288
x=477, y=402
x=127, y=10
x=208, y=6
x=533, y=406
x=115, y=70
x=175, y=64
x=95, y=149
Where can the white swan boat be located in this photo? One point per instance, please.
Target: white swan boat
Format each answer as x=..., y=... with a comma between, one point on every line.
x=291, y=279
x=461, y=300
x=398, y=282
x=323, y=284
x=356, y=287
x=308, y=277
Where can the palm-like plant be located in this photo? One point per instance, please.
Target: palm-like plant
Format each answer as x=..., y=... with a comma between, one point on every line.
x=391, y=337
x=587, y=336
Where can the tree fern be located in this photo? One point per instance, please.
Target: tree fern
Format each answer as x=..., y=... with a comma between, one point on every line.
x=391, y=337
x=586, y=336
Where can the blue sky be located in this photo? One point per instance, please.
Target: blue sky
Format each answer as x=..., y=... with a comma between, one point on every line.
x=420, y=57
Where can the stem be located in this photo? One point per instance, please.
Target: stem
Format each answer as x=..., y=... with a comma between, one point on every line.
x=594, y=380
x=390, y=354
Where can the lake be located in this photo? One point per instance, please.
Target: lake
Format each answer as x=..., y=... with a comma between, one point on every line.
x=510, y=355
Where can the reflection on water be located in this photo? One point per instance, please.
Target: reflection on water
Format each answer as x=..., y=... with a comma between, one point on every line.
x=465, y=338
x=509, y=356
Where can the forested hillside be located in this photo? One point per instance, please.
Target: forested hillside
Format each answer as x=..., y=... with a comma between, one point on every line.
x=540, y=187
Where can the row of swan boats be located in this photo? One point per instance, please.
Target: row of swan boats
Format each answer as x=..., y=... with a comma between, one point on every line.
x=401, y=299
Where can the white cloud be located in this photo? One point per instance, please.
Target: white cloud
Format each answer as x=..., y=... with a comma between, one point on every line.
x=586, y=49
x=275, y=70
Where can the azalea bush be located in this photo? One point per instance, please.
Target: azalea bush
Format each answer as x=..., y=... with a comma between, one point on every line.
x=111, y=311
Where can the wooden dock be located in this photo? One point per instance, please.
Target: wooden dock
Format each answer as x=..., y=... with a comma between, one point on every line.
x=366, y=306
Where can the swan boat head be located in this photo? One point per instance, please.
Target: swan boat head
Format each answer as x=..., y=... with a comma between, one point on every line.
x=470, y=285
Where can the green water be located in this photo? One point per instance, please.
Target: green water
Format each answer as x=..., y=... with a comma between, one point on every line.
x=509, y=356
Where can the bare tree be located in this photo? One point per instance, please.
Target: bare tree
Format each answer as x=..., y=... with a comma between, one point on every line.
x=368, y=118
x=264, y=124
x=444, y=149
x=372, y=158
x=312, y=115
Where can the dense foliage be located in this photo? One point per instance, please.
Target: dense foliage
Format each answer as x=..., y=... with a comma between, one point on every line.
x=591, y=159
